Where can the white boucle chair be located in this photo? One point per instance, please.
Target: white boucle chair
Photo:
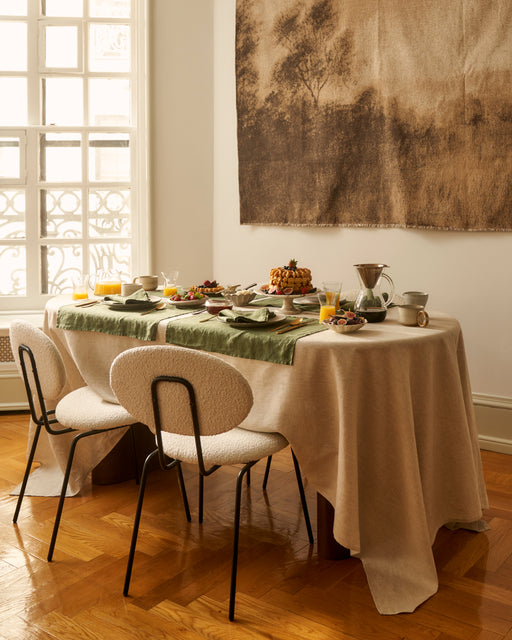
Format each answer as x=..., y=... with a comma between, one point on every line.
x=81, y=411
x=193, y=402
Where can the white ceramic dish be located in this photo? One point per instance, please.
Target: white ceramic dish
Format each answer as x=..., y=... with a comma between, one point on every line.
x=279, y=317
x=345, y=328
x=240, y=299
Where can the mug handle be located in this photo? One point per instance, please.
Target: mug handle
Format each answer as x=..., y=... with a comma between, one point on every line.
x=422, y=318
x=135, y=279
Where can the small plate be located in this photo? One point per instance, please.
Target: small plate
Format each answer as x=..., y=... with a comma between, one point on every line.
x=279, y=317
x=136, y=305
x=183, y=304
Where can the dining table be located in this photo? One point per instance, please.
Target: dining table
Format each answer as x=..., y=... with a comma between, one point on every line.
x=381, y=421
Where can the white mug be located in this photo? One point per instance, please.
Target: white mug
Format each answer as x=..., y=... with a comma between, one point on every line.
x=415, y=297
x=127, y=288
x=413, y=315
x=149, y=283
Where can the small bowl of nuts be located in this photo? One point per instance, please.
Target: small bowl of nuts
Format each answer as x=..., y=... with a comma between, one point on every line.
x=345, y=322
x=240, y=298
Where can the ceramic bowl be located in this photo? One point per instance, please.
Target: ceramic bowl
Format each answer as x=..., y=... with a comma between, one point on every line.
x=240, y=298
x=345, y=328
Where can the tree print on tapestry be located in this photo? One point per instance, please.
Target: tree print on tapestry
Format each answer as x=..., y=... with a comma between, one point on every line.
x=379, y=114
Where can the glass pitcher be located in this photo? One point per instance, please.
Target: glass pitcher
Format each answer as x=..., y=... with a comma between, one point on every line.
x=106, y=282
x=371, y=301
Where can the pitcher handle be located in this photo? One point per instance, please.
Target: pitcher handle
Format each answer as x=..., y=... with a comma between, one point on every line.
x=391, y=293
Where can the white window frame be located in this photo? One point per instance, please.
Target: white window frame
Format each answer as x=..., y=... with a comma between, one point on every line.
x=139, y=134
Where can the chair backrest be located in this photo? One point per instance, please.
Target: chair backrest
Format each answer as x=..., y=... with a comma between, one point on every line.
x=50, y=367
x=223, y=395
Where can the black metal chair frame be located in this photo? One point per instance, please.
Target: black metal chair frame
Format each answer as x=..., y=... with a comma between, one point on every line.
x=45, y=420
x=168, y=463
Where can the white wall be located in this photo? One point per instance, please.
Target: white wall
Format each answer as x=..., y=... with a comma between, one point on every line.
x=467, y=274
x=181, y=134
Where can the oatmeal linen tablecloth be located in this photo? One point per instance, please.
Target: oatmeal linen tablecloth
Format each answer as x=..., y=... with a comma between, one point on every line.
x=382, y=423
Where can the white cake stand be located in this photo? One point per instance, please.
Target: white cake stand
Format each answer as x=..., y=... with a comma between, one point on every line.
x=288, y=306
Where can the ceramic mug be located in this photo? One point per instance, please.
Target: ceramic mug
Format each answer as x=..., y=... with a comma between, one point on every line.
x=413, y=315
x=149, y=283
x=415, y=297
x=127, y=288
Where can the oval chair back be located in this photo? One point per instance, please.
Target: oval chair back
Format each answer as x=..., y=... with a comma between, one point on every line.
x=46, y=382
x=223, y=397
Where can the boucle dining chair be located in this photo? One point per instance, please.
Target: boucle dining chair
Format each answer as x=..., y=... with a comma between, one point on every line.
x=194, y=402
x=81, y=411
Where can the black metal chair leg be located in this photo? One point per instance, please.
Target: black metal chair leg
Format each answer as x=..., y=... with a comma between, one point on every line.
x=135, y=457
x=201, y=497
x=236, y=535
x=27, y=472
x=303, y=498
x=63, y=492
x=183, y=492
x=136, y=523
x=267, y=471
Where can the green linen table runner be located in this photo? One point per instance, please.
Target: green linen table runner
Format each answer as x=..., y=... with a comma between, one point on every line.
x=252, y=342
x=101, y=319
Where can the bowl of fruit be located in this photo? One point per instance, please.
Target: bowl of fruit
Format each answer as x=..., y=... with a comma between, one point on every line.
x=187, y=299
x=345, y=322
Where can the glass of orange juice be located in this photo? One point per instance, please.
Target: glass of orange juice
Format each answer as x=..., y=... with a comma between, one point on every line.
x=329, y=298
x=170, y=287
x=80, y=286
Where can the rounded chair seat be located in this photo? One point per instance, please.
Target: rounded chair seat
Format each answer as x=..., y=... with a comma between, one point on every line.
x=232, y=447
x=84, y=410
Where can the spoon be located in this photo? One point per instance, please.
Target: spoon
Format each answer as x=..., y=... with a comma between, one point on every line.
x=159, y=306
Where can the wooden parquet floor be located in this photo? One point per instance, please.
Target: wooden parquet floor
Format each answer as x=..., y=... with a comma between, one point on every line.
x=180, y=582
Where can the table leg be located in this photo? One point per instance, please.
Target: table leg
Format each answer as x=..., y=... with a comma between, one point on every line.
x=328, y=548
x=119, y=464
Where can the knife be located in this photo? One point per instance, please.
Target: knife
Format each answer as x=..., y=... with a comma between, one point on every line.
x=296, y=326
x=186, y=315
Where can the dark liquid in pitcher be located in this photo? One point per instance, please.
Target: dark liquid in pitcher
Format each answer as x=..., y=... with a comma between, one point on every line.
x=373, y=315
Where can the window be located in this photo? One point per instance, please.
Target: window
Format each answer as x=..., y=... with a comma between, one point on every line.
x=72, y=144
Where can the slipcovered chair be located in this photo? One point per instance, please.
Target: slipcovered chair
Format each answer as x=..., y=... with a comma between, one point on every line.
x=82, y=411
x=193, y=402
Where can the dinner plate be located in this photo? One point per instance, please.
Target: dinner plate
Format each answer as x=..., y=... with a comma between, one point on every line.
x=182, y=304
x=136, y=305
x=279, y=317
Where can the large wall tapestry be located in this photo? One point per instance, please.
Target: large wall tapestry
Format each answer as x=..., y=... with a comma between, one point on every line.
x=372, y=113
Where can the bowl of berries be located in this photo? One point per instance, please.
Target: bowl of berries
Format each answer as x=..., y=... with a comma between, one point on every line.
x=345, y=322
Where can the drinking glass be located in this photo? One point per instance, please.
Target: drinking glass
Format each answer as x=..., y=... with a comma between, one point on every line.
x=80, y=286
x=329, y=298
x=170, y=279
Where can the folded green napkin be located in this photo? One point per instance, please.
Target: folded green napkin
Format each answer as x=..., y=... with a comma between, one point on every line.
x=260, y=315
x=137, y=296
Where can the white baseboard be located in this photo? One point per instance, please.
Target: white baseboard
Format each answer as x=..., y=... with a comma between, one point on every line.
x=494, y=422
